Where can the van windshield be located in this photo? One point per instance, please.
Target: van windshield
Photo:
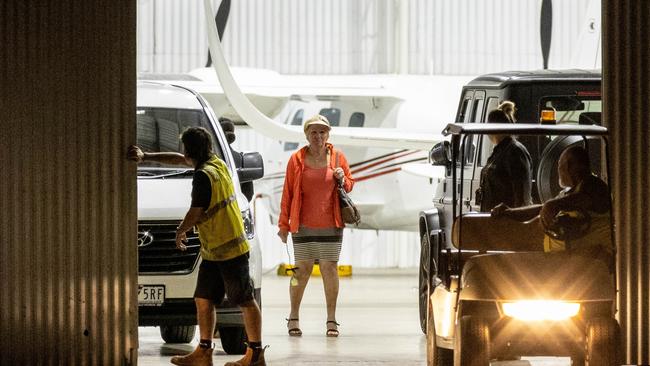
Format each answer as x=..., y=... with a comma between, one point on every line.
x=159, y=130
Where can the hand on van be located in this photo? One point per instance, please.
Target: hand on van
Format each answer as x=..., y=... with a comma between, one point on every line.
x=135, y=153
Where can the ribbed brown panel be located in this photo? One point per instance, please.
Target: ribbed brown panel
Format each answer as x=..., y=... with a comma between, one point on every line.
x=626, y=74
x=68, y=205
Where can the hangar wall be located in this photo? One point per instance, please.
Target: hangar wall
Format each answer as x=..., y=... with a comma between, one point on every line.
x=363, y=36
x=626, y=85
x=67, y=194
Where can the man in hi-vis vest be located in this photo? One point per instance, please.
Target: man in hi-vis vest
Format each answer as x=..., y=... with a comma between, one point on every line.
x=224, y=249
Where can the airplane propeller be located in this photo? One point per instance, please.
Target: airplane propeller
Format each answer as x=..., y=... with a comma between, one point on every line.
x=546, y=29
x=221, y=19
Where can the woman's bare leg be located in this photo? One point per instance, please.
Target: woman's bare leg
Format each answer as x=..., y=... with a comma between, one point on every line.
x=329, y=271
x=302, y=275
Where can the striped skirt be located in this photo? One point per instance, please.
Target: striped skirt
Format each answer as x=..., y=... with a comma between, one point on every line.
x=323, y=244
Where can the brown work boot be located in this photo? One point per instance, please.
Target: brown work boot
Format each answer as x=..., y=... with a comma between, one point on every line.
x=200, y=357
x=247, y=360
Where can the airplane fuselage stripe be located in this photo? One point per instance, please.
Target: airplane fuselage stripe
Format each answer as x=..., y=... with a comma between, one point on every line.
x=370, y=176
x=377, y=172
x=383, y=161
x=376, y=158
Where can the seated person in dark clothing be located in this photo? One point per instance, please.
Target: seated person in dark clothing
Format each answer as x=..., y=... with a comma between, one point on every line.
x=507, y=175
x=578, y=219
x=229, y=130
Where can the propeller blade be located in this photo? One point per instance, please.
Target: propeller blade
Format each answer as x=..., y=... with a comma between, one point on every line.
x=221, y=19
x=546, y=29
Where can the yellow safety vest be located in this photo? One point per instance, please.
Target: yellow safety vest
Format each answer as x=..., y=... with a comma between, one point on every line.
x=222, y=234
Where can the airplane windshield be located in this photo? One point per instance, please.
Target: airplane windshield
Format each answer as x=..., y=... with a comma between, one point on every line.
x=159, y=130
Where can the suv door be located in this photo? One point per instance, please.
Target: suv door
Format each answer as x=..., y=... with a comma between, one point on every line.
x=471, y=110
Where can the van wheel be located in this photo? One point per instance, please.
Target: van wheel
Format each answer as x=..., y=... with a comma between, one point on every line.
x=233, y=340
x=177, y=333
x=603, y=342
x=436, y=356
x=472, y=343
x=424, y=281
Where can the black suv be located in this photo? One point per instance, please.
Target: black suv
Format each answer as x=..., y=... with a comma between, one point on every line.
x=575, y=95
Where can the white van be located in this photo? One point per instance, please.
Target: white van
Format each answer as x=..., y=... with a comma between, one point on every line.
x=167, y=276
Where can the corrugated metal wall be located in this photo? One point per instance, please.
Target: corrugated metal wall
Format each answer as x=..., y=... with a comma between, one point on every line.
x=626, y=83
x=68, y=263
x=364, y=36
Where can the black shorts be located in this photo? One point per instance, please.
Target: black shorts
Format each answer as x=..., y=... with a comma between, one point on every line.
x=230, y=277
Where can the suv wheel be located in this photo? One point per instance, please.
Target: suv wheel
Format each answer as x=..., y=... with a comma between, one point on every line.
x=177, y=333
x=436, y=356
x=233, y=340
x=424, y=281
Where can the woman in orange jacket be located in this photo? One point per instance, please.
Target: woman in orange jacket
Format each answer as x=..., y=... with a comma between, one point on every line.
x=310, y=211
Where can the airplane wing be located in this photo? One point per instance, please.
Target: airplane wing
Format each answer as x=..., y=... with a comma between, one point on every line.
x=352, y=136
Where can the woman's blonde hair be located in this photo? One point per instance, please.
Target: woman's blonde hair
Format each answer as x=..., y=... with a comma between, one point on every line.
x=504, y=113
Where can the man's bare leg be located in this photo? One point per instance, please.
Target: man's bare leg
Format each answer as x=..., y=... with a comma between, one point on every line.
x=252, y=320
x=205, y=317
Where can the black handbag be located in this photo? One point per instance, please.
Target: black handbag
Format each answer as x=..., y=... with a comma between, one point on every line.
x=349, y=211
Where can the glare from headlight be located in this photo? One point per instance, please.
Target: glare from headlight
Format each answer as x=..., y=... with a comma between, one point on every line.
x=535, y=310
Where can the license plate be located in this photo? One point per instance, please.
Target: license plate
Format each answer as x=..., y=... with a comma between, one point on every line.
x=151, y=295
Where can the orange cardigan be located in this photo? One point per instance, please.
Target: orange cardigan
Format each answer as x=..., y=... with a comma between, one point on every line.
x=291, y=194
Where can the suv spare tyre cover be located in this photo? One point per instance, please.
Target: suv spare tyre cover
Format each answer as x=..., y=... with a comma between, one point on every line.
x=548, y=184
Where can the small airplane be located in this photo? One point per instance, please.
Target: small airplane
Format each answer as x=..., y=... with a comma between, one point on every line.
x=385, y=124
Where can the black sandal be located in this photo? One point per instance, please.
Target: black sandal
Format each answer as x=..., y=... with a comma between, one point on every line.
x=294, y=332
x=332, y=332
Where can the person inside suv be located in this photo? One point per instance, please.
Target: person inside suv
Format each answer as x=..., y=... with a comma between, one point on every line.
x=507, y=175
x=228, y=128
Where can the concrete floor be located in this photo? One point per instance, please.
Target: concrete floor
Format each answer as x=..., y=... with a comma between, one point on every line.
x=378, y=313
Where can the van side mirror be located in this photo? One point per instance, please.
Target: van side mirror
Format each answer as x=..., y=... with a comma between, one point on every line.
x=440, y=154
x=252, y=167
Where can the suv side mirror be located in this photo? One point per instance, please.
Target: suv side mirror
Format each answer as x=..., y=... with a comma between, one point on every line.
x=440, y=154
x=252, y=167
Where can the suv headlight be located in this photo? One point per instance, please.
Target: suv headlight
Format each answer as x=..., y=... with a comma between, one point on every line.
x=249, y=224
x=535, y=310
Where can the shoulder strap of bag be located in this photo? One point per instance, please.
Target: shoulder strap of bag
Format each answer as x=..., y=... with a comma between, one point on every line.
x=338, y=164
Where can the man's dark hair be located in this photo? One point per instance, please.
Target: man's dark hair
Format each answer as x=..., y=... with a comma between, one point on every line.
x=228, y=129
x=578, y=161
x=197, y=143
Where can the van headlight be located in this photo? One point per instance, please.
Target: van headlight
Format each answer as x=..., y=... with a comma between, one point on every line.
x=535, y=310
x=249, y=225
